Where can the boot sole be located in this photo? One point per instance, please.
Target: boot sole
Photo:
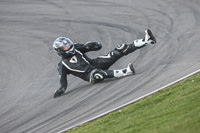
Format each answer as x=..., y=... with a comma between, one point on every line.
x=151, y=36
x=132, y=68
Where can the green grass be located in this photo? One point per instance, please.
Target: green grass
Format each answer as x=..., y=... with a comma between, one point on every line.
x=175, y=109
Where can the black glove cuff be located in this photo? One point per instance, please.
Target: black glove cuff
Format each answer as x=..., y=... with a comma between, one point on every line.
x=93, y=46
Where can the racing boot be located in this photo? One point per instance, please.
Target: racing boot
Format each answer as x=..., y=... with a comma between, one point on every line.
x=59, y=92
x=148, y=39
x=124, y=72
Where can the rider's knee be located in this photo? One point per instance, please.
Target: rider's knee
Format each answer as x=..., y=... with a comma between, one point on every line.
x=122, y=49
x=97, y=75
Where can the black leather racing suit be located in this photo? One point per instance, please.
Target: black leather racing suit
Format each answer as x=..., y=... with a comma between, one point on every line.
x=81, y=65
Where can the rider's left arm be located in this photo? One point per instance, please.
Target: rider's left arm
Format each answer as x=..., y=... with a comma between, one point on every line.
x=89, y=46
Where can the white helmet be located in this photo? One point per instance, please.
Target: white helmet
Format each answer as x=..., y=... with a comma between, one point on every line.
x=64, y=46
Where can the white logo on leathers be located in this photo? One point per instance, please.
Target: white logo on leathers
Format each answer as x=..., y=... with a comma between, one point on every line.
x=73, y=59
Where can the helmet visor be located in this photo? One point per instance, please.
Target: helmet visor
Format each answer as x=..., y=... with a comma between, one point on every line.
x=67, y=44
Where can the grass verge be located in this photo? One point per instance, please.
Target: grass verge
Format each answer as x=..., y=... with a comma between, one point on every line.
x=175, y=109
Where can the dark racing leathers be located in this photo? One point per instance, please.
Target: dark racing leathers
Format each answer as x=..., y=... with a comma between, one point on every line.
x=82, y=66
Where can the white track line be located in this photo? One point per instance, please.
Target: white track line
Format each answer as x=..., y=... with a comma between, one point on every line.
x=135, y=100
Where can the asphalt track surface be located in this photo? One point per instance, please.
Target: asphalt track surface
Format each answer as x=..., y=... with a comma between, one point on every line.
x=28, y=75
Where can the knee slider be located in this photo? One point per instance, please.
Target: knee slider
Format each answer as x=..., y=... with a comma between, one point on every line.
x=97, y=75
x=122, y=49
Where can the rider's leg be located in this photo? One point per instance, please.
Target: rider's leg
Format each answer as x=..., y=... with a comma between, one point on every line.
x=98, y=75
x=104, y=62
